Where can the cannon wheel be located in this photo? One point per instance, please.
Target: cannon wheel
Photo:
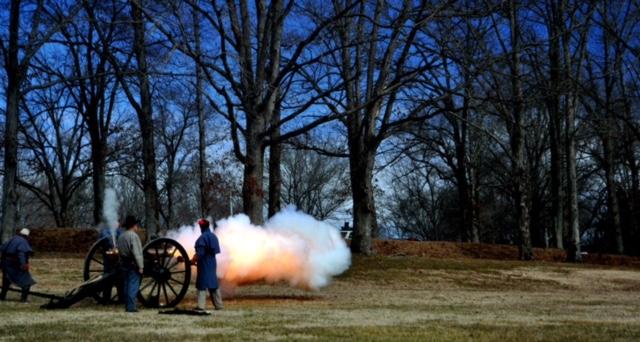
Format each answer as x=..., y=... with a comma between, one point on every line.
x=94, y=267
x=167, y=273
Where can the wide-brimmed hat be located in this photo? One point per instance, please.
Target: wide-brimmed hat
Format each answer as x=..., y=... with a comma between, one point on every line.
x=130, y=221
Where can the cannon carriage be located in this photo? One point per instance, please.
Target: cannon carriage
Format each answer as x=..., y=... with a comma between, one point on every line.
x=166, y=277
x=164, y=283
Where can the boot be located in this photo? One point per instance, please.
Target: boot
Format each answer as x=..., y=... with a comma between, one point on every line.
x=202, y=300
x=3, y=293
x=216, y=298
x=24, y=294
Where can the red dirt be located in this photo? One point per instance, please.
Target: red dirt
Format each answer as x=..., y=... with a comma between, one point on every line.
x=454, y=250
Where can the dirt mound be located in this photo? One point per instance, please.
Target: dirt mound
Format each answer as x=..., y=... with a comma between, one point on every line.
x=66, y=240
x=454, y=250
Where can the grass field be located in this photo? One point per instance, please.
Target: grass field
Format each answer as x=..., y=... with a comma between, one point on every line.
x=396, y=298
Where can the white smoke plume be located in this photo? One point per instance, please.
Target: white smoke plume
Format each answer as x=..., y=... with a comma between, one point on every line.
x=110, y=207
x=291, y=247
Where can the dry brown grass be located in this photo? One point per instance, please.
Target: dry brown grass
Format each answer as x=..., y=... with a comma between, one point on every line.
x=379, y=298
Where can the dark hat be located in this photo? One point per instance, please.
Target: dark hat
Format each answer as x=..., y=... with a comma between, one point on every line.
x=203, y=223
x=130, y=221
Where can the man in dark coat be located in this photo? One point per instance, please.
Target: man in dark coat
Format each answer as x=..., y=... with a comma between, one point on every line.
x=207, y=247
x=15, y=264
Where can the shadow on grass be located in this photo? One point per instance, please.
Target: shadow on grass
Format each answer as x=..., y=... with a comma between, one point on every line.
x=270, y=298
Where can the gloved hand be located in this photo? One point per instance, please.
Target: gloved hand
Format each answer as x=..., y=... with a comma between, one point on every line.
x=25, y=267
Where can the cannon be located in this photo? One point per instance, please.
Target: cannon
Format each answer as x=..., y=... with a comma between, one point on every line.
x=164, y=283
x=166, y=278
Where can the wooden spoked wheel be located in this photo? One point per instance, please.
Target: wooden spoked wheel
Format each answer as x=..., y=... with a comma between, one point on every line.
x=167, y=273
x=99, y=261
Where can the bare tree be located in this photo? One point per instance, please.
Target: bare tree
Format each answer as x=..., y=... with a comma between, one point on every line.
x=143, y=108
x=43, y=22
x=602, y=103
x=461, y=43
x=573, y=62
x=314, y=183
x=252, y=68
x=275, y=170
x=202, y=144
x=56, y=156
x=554, y=22
x=376, y=63
x=175, y=118
x=416, y=206
x=92, y=84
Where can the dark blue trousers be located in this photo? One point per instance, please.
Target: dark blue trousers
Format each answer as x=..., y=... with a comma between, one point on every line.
x=131, y=286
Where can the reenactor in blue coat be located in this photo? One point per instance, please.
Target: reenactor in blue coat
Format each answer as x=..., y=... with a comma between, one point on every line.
x=207, y=247
x=15, y=264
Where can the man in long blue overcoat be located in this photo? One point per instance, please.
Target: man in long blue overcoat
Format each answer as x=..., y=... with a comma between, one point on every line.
x=207, y=247
x=15, y=264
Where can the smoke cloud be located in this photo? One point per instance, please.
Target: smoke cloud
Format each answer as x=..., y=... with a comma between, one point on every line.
x=110, y=207
x=291, y=247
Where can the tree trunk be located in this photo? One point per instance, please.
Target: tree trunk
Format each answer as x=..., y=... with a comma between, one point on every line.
x=252, y=186
x=363, y=202
x=65, y=220
x=573, y=249
x=10, y=193
x=465, y=221
x=464, y=197
x=149, y=182
x=608, y=149
x=202, y=157
x=98, y=165
x=460, y=168
x=145, y=118
x=522, y=209
x=521, y=193
x=275, y=178
x=612, y=194
x=275, y=172
x=14, y=78
x=635, y=183
x=539, y=232
x=474, y=196
x=571, y=104
x=554, y=27
x=557, y=194
x=169, y=186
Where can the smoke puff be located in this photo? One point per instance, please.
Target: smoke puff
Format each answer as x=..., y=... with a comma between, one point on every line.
x=292, y=247
x=110, y=208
